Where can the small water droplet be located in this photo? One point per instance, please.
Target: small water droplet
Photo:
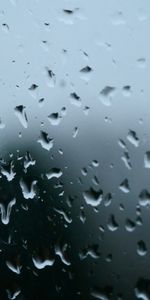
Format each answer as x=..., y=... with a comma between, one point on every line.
x=8, y=171
x=66, y=216
x=126, y=91
x=6, y=212
x=129, y=225
x=144, y=198
x=41, y=264
x=124, y=186
x=102, y=293
x=75, y=132
x=51, y=78
x=132, y=138
x=141, y=248
x=142, y=289
x=147, y=160
x=21, y=114
x=86, y=69
x=54, y=173
x=61, y=251
x=54, y=119
x=45, y=141
x=126, y=159
x=33, y=87
x=75, y=99
x=92, y=197
x=118, y=18
x=28, y=189
x=5, y=27
x=106, y=95
x=141, y=62
x=112, y=224
x=108, y=199
x=91, y=251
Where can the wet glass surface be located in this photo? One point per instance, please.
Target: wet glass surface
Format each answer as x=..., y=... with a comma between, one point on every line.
x=74, y=150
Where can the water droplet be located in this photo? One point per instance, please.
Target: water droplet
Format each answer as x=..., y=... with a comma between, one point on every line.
x=86, y=110
x=141, y=62
x=47, y=26
x=147, y=160
x=66, y=216
x=141, y=248
x=106, y=95
x=122, y=144
x=41, y=264
x=92, y=197
x=75, y=132
x=33, y=87
x=2, y=125
x=14, y=267
x=126, y=91
x=82, y=215
x=102, y=293
x=54, y=173
x=54, y=119
x=5, y=27
x=142, y=289
x=112, y=224
x=139, y=221
x=61, y=252
x=12, y=295
x=41, y=102
x=68, y=11
x=124, y=186
x=108, y=199
x=45, y=45
x=126, y=159
x=109, y=258
x=32, y=90
x=21, y=114
x=132, y=138
x=28, y=189
x=63, y=111
x=91, y=251
x=45, y=141
x=118, y=18
x=86, y=69
x=129, y=225
x=5, y=212
x=51, y=78
x=29, y=161
x=75, y=99
x=8, y=171
x=95, y=163
x=144, y=198
x=84, y=171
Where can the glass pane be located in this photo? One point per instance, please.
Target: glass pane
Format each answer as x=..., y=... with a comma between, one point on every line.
x=74, y=150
